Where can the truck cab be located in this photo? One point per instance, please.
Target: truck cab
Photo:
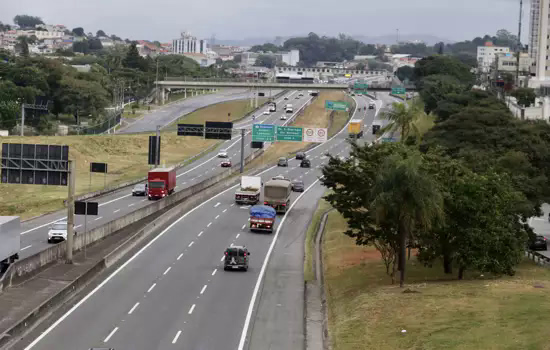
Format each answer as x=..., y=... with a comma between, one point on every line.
x=161, y=182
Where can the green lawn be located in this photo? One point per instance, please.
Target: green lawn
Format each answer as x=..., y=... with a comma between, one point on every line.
x=367, y=312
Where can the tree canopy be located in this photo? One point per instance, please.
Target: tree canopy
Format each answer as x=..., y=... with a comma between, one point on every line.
x=26, y=21
x=265, y=61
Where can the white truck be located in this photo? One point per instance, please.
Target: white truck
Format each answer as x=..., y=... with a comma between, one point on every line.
x=249, y=192
x=10, y=240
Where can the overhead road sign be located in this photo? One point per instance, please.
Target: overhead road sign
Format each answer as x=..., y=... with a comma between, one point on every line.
x=256, y=144
x=336, y=105
x=218, y=130
x=263, y=133
x=360, y=86
x=289, y=133
x=398, y=90
x=154, y=150
x=190, y=130
x=98, y=168
x=318, y=135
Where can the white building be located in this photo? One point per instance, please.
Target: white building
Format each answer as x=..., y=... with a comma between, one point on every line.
x=539, y=42
x=189, y=44
x=486, y=55
x=291, y=57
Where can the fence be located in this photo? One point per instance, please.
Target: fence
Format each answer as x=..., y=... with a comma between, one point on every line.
x=100, y=128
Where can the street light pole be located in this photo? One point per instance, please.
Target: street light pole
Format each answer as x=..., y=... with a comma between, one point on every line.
x=23, y=119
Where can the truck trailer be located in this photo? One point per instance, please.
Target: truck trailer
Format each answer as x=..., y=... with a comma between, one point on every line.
x=10, y=240
x=355, y=128
x=161, y=182
x=262, y=218
x=249, y=192
x=277, y=194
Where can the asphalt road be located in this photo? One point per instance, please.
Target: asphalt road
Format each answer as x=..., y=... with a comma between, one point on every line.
x=174, y=293
x=541, y=225
x=174, y=111
x=111, y=206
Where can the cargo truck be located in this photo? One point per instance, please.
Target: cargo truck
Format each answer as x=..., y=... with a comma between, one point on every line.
x=355, y=128
x=161, y=182
x=277, y=194
x=249, y=192
x=10, y=241
x=262, y=218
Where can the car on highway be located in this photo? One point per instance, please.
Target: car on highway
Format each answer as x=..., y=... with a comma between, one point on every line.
x=267, y=112
x=58, y=232
x=538, y=243
x=282, y=162
x=226, y=163
x=283, y=117
x=280, y=177
x=298, y=186
x=371, y=105
x=297, y=97
x=236, y=258
x=305, y=163
x=139, y=190
x=352, y=94
x=300, y=155
x=222, y=154
x=286, y=98
x=301, y=93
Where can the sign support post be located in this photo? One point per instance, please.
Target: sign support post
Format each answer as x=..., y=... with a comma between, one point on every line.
x=70, y=213
x=242, y=150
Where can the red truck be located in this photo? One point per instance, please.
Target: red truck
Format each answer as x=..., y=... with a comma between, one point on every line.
x=162, y=182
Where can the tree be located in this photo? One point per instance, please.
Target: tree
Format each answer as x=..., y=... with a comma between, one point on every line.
x=78, y=31
x=25, y=21
x=82, y=46
x=360, y=66
x=444, y=65
x=238, y=58
x=4, y=27
x=132, y=59
x=435, y=88
x=268, y=47
x=22, y=45
x=95, y=44
x=402, y=118
x=368, y=49
x=115, y=38
x=265, y=61
x=525, y=96
x=9, y=114
x=100, y=33
x=86, y=97
x=405, y=73
x=408, y=198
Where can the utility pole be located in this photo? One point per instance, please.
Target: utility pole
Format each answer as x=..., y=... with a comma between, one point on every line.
x=397, y=37
x=242, y=150
x=70, y=213
x=23, y=119
x=519, y=41
x=157, y=82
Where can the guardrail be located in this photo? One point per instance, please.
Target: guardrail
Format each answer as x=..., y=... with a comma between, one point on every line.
x=537, y=257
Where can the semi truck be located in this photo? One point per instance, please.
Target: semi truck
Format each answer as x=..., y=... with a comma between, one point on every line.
x=10, y=241
x=355, y=128
x=262, y=218
x=277, y=194
x=249, y=192
x=161, y=182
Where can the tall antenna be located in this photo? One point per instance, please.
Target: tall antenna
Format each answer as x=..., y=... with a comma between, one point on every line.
x=518, y=49
x=397, y=36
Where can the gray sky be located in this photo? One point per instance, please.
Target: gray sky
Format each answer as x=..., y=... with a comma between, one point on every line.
x=163, y=19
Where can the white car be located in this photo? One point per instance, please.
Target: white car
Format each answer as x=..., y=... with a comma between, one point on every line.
x=283, y=117
x=266, y=112
x=222, y=154
x=58, y=232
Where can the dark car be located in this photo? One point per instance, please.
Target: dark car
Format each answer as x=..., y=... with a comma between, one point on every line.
x=282, y=162
x=226, y=163
x=305, y=163
x=300, y=155
x=236, y=258
x=298, y=186
x=139, y=190
x=538, y=243
x=371, y=105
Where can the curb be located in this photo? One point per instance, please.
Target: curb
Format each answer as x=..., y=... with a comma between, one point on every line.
x=320, y=277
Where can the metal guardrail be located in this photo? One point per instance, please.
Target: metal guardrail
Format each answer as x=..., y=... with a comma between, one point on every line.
x=538, y=258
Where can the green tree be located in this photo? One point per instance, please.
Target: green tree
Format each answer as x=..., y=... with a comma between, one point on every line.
x=405, y=73
x=82, y=46
x=435, y=88
x=9, y=114
x=360, y=66
x=402, y=118
x=26, y=21
x=265, y=61
x=4, y=27
x=408, y=198
x=22, y=45
x=78, y=31
x=525, y=96
x=95, y=44
x=265, y=48
x=86, y=97
x=100, y=33
x=133, y=59
x=368, y=49
x=444, y=65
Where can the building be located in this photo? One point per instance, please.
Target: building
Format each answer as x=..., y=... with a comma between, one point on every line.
x=486, y=55
x=249, y=58
x=507, y=63
x=189, y=44
x=203, y=59
x=290, y=58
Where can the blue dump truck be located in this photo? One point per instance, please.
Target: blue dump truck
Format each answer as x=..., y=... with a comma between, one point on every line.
x=262, y=218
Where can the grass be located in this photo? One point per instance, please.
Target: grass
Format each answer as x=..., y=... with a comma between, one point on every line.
x=367, y=312
x=322, y=206
x=424, y=124
x=126, y=156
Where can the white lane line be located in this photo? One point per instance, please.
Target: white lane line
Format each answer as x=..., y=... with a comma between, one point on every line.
x=223, y=257
x=99, y=218
x=184, y=183
x=264, y=265
x=151, y=288
x=191, y=309
x=131, y=205
x=27, y=247
x=200, y=233
x=190, y=244
x=179, y=256
x=133, y=308
x=224, y=210
x=217, y=216
x=248, y=219
x=176, y=337
x=244, y=226
x=116, y=211
x=110, y=335
x=209, y=224
x=143, y=200
x=232, y=205
x=214, y=272
x=307, y=172
x=238, y=234
x=168, y=269
x=217, y=204
x=77, y=226
x=203, y=289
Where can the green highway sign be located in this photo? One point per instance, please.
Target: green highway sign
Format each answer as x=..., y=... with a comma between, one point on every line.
x=398, y=90
x=289, y=133
x=336, y=105
x=361, y=92
x=389, y=139
x=263, y=132
x=360, y=86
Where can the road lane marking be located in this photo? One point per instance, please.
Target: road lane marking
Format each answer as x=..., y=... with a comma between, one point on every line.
x=110, y=335
x=133, y=308
x=77, y=226
x=232, y=205
x=223, y=257
x=176, y=337
x=179, y=256
x=151, y=288
x=238, y=234
x=184, y=183
x=191, y=309
x=131, y=205
x=209, y=224
x=190, y=244
x=217, y=216
x=168, y=269
x=27, y=247
x=99, y=218
x=203, y=289
x=244, y=226
x=224, y=210
x=214, y=272
x=217, y=204
x=116, y=211
x=248, y=219
x=264, y=265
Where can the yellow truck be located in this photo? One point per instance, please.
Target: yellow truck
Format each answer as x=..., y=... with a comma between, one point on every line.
x=355, y=128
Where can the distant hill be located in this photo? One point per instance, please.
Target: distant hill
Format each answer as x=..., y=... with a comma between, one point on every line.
x=429, y=40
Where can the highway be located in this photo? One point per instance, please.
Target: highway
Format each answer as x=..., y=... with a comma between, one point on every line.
x=113, y=205
x=174, y=293
x=170, y=113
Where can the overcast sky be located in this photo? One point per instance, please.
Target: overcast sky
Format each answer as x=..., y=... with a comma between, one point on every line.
x=163, y=20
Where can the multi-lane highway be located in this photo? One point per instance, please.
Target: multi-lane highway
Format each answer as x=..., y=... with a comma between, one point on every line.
x=170, y=113
x=174, y=293
x=113, y=205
